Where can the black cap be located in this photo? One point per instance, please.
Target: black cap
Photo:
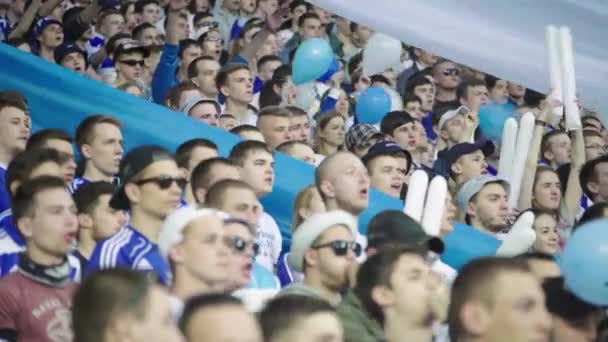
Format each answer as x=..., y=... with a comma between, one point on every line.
x=67, y=48
x=563, y=303
x=387, y=147
x=446, y=158
x=587, y=172
x=393, y=226
x=130, y=46
x=132, y=164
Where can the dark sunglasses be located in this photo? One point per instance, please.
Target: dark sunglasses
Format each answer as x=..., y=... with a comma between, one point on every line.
x=164, y=182
x=133, y=62
x=341, y=247
x=212, y=24
x=452, y=71
x=240, y=245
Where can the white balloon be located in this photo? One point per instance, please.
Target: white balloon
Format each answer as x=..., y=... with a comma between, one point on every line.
x=382, y=52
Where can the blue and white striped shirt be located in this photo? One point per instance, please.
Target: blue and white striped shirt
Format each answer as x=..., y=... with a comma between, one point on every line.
x=128, y=248
x=8, y=229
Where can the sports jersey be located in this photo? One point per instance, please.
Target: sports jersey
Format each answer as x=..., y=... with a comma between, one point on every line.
x=77, y=182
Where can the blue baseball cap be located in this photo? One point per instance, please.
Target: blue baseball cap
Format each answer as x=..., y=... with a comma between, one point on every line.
x=43, y=23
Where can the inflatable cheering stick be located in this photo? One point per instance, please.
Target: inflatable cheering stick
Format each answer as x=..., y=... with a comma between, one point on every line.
x=520, y=238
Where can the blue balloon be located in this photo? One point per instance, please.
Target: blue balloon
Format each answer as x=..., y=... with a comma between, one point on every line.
x=312, y=60
x=333, y=68
x=372, y=105
x=492, y=119
x=584, y=262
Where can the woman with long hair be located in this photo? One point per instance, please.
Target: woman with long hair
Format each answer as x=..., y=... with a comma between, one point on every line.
x=329, y=133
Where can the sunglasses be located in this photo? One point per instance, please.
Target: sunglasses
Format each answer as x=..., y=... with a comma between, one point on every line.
x=164, y=182
x=341, y=247
x=240, y=245
x=133, y=62
x=452, y=71
x=212, y=24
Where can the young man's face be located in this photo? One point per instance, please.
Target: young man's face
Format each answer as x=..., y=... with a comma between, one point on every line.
x=559, y=150
x=239, y=87
x=150, y=14
x=258, y=172
x=299, y=126
x=151, y=36
x=242, y=203
x=205, y=112
x=217, y=173
x=112, y=24
x=227, y=123
x=311, y=28
x=599, y=183
x=106, y=148
x=106, y=220
x=595, y=147
x=426, y=93
x=189, y=54
x=469, y=166
x=414, y=109
x=453, y=129
x=207, y=71
x=130, y=66
x=66, y=149
x=516, y=90
x=203, y=253
x=270, y=47
x=518, y=312
x=347, y=182
x=14, y=130
x=500, y=92
x=447, y=76
x=267, y=69
x=218, y=323
x=387, y=174
x=407, y=136
x=240, y=263
x=275, y=130
x=53, y=226
x=52, y=36
x=150, y=198
x=74, y=61
x=333, y=269
x=199, y=154
x=489, y=208
x=476, y=96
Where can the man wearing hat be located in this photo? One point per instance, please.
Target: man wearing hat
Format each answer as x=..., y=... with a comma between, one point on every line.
x=48, y=32
x=151, y=188
x=360, y=138
x=324, y=249
x=451, y=126
x=463, y=161
x=129, y=61
x=388, y=166
x=482, y=204
x=71, y=57
x=198, y=108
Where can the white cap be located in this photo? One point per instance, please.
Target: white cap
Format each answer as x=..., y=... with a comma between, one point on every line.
x=311, y=229
x=172, y=230
x=450, y=114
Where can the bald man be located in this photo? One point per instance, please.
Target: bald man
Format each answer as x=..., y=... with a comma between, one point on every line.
x=343, y=183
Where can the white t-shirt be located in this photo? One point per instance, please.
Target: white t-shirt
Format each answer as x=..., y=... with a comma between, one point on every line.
x=255, y=299
x=444, y=270
x=176, y=307
x=270, y=241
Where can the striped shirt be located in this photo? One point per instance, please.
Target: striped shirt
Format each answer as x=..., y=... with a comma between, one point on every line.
x=128, y=248
x=8, y=230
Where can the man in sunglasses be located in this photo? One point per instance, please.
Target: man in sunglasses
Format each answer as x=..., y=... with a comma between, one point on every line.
x=325, y=250
x=447, y=79
x=151, y=188
x=129, y=62
x=192, y=241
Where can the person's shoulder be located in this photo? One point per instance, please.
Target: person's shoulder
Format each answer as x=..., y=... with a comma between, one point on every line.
x=107, y=251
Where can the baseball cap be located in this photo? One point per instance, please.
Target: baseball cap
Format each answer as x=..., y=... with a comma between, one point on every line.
x=563, y=303
x=473, y=186
x=172, y=231
x=587, y=172
x=394, y=120
x=130, y=46
x=359, y=134
x=193, y=101
x=450, y=114
x=393, y=226
x=67, y=48
x=132, y=164
x=311, y=229
x=385, y=147
x=42, y=23
x=446, y=158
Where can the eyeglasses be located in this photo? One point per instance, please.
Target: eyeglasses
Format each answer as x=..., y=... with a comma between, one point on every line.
x=133, y=62
x=212, y=24
x=341, y=247
x=452, y=71
x=240, y=245
x=164, y=182
x=214, y=39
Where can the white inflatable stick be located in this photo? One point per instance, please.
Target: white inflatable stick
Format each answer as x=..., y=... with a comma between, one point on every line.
x=524, y=137
x=507, y=149
x=552, y=44
x=416, y=193
x=520, y=238
x=573, y=118
x=435, y=203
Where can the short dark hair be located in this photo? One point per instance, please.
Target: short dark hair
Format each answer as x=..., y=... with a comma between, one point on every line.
x=84, y=132
x=274, y=111
x=284, y=312
x=418, y=79
x=140, y=28
x=288, y=145
x=244, y=128
x=476, y=280
x=379, y=78
x=200, y=178
x=491, y=81
x=536, y=256
x=193, y=67
x=403, y=154
x=269, y=97
x=198, y=303
x=21, y=167
x=306, y=16
x=200, y=15
x=241, y=151
x=377, y=271
x=140, y=4
x=227, y=70
x=42, y=137
x=112, y=43
x=462, y=91
x=393, y=120
x=588, y=173
x=217, y=192
x=184, y=151
x=87, y=195
x=175, y=93
x=23, y=200
x=105, y=294
x=544, y=145
x=297, y=111
x=267, y=59
x=106, y=13
x=13, y=98
x=184, y=44
x=409, y=97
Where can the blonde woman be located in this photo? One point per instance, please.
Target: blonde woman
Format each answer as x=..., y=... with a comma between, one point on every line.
x=329, y=133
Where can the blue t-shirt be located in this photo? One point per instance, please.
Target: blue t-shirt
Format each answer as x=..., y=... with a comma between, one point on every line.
x=262, y=278
x=9, y=229
x=128, y=248
x=5, y=199
x=77, y=182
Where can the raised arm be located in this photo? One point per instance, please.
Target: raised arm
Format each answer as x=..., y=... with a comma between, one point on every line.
x=574, y=192
x=48, y=7
x=26, y=20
